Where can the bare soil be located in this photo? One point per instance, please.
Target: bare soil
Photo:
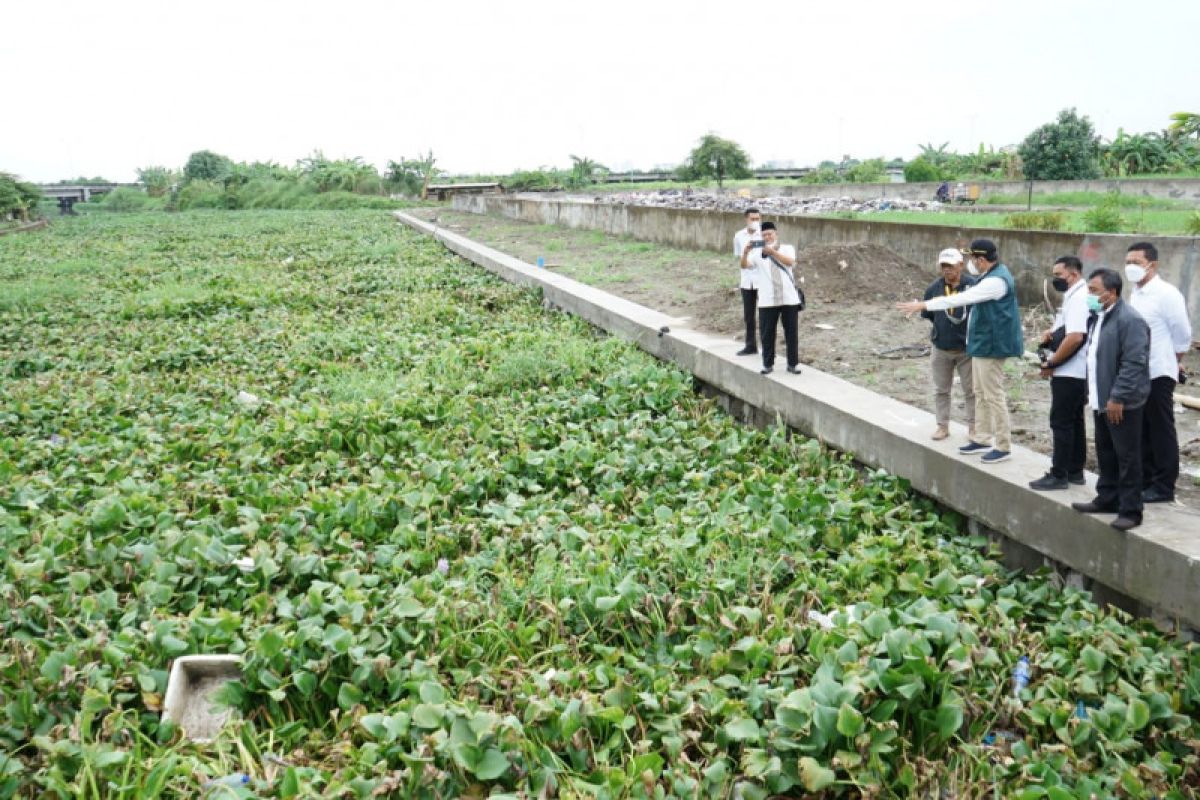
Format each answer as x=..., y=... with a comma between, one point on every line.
x=849, y=329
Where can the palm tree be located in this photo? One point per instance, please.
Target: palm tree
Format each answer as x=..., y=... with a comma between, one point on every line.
x=1185, y=123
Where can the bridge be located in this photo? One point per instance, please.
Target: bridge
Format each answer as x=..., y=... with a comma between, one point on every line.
x=68, y=194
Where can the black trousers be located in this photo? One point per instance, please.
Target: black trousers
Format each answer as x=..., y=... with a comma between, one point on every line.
x=768, y=321
x=749, y=307
x=1068, y=396
x=1160, y=443
x=1119, y=451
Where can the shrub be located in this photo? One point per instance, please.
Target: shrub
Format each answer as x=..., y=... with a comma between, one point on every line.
x=1192, y=225
x=921, y=170
x=1105, y=217
x=201, y=194
x=17, y=197
x=205, y=165
x=127, y=199
x=534, y=180
x=872, y=170
x=1036, y=220
x=1066, y=149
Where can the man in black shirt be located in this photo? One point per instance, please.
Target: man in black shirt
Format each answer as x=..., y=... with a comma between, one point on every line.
x=949, y=336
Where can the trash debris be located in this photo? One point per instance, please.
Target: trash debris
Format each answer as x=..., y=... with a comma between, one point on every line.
x=236, y=780
x=191, y=686
x=826, y=620
x=248, y=400
x=710, y=201
x=821, y=326
x=993, y=737
x=244, y=564
x=1020, y=677
x=904, y=351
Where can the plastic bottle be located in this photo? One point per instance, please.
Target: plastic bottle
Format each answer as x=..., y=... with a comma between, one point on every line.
x=1020, y=678
x=235, y=780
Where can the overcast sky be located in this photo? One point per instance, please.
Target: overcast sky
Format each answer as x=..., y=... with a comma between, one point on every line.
x=101, y=88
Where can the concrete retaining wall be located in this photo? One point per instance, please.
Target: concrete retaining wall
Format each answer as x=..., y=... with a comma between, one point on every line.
x=1157, y=564
x=1029, y=254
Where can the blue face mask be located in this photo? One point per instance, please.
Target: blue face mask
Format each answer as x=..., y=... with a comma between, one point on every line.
x=1094, y=304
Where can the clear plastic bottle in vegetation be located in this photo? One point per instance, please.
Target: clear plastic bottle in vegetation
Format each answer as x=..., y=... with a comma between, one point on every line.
x=1020, y=678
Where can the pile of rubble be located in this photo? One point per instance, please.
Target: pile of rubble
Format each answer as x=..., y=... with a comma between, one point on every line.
x=708, y=201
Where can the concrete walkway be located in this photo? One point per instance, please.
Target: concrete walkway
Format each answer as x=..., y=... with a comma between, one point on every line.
x=1157, y=564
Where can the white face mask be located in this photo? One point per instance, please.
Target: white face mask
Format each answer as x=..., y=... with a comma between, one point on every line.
x=971, y=268
x=1135, y=273
x=753, y=227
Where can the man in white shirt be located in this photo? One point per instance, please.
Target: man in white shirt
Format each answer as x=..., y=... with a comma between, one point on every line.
x=1163, y=308
x=746, y=285
x=778, y=296
x=1066, y=367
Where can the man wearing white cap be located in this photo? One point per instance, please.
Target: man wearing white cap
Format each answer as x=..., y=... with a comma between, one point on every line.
x=949, y=338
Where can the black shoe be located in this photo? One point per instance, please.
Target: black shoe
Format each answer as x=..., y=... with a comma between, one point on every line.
x=1076, y=478
x=766, y=370
x=794, y=370
x=1048, y=482
x=1124, y=522
x=747, y=351
x=1157, y=496
x=1092, y=507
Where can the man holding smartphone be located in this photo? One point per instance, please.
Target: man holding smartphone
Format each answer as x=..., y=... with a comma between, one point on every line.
x=748, y=291
x=778, y=297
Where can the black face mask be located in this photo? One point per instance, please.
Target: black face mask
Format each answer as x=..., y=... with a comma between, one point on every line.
x=1060, y=284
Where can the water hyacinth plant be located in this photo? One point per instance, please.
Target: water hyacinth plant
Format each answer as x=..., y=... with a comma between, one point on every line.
x=492, y=553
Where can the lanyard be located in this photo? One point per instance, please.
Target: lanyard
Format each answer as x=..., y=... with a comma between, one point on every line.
x=956, y=318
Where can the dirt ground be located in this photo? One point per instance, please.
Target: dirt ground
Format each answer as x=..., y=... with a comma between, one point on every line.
x=849, y=329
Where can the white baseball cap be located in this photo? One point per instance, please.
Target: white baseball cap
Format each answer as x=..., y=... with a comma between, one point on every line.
x=950, y=255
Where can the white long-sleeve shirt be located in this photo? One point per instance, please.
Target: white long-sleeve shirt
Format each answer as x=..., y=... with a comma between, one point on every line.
x=740, y=240
x=775, y=286
x=988, y=288
x=1163, y=308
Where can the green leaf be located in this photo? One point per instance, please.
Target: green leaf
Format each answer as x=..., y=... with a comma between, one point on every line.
x=491, y=766
x=428, y=716
x=305, y=682
x=349, y=696
x=607, y=603
x=407, y=607
x=1092, y=658
x=949, y=719
x=943, y=583
x=289, y=783
x=1137, y=715
x=815, y=777
x=877, y=624
x=742, y=730
x=110, y=758
x=849, y=721
x=270, y=644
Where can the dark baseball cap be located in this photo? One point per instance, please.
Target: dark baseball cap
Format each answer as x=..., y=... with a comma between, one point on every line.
x=982, y=247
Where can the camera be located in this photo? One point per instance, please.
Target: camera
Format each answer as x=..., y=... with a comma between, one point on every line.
x=757, y=243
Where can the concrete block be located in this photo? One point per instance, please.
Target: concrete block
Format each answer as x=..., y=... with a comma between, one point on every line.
x=190, y=688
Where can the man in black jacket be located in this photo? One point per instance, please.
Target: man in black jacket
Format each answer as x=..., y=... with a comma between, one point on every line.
x=1118, y=375
x=949, y=337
